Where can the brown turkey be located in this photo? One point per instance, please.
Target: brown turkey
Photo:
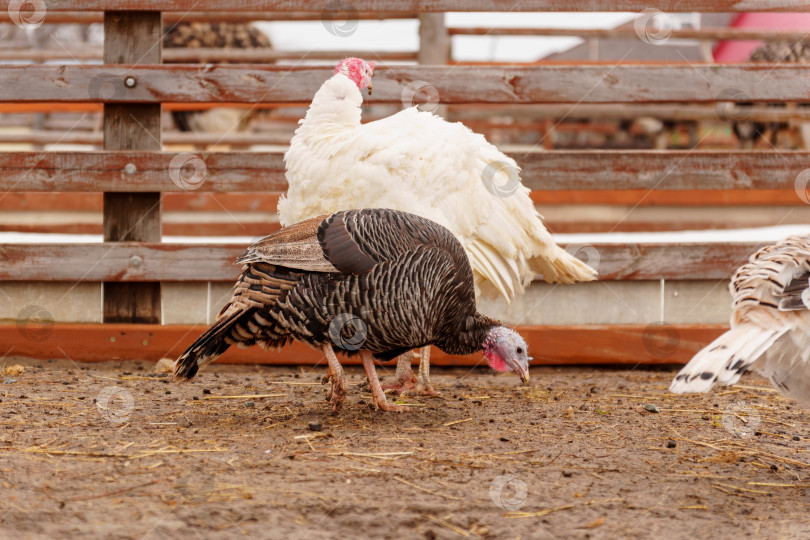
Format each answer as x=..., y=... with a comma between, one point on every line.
x=374, y=282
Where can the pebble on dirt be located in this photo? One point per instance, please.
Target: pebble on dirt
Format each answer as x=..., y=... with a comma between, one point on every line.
x=652, y=408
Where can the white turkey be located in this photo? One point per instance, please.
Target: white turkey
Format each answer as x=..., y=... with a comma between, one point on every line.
x=417, y=162
x=375, y=282
x=770, y=326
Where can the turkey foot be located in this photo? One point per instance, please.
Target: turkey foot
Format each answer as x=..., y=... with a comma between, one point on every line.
x=406, y=380
x=335, y=374
x=377, y=393
x=407, y=383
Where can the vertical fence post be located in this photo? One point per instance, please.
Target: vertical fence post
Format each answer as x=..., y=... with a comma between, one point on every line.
x=132, y=38
x=434, y=45
x=434, y=41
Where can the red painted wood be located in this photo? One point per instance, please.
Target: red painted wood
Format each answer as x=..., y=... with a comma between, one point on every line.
x=549, y=345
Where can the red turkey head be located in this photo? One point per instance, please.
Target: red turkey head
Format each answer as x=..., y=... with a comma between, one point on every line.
x=507, y=351
x=358, y=70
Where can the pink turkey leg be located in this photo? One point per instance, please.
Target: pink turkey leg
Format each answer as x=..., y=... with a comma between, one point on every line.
x=377, y=393
x=335, y=374
x=423, y=385
x=406, y=380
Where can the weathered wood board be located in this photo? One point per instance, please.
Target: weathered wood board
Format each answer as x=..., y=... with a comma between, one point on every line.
x=90, y=17
x=415, y=6
x=641, y=83
x=132, y=216
x=267, y=201
x=150, y=261
x=228, y=172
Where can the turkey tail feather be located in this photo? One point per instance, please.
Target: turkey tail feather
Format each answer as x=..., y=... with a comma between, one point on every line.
x=725, y=359
x=207, y=348
x=563, y=267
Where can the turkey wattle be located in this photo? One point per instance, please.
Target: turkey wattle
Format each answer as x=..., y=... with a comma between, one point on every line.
x=417, y=162
x=770, y=326
x=376, y=282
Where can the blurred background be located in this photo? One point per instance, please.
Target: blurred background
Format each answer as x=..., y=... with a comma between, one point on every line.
x=467, y=38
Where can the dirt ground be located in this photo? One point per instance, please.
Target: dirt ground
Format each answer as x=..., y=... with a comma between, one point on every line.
x=117, y=451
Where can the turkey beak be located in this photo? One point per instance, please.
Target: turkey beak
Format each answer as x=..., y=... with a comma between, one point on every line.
x=369, y=87
x=523, y=373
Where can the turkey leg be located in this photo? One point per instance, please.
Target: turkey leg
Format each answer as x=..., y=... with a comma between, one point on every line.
x=423, y=386
x=377, y=393
x=406, y=380
x=335, y=374
x=407, y=384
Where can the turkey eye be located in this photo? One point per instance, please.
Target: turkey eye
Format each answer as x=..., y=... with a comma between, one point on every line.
x=519, y=350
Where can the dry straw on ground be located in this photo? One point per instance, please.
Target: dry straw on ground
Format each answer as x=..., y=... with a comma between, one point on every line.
x=235, y=453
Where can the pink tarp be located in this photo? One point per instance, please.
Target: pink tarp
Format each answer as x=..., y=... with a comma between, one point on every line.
x=739, y=51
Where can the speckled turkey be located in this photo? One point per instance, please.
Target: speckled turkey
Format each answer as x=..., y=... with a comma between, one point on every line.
x=375, y=282
x=770, y=326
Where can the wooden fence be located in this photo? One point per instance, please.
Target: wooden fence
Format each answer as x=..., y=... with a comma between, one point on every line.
x=132, y=170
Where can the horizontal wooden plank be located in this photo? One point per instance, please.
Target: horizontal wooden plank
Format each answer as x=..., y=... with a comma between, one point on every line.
x=143, y=261
x=180, y=55
x=201, y=201
x=415, y=6
x=495, y=113
x=558, y=219
x=148, y=171
x=629, y=32
x=611, y=111
x=546, y=83
x=663, y=170
x=228, y=227
x=279, y=136
x=549, y=345
x=88, y=17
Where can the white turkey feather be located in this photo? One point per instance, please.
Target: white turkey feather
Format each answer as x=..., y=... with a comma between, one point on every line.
x=417, y=162
x=770, y=326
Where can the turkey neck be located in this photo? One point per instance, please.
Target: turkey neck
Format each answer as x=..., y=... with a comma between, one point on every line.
x=335, y=107
x=468, y=337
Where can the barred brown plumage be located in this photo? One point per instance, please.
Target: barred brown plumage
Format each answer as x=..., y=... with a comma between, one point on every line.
x=770, y=325
x=375, y=282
